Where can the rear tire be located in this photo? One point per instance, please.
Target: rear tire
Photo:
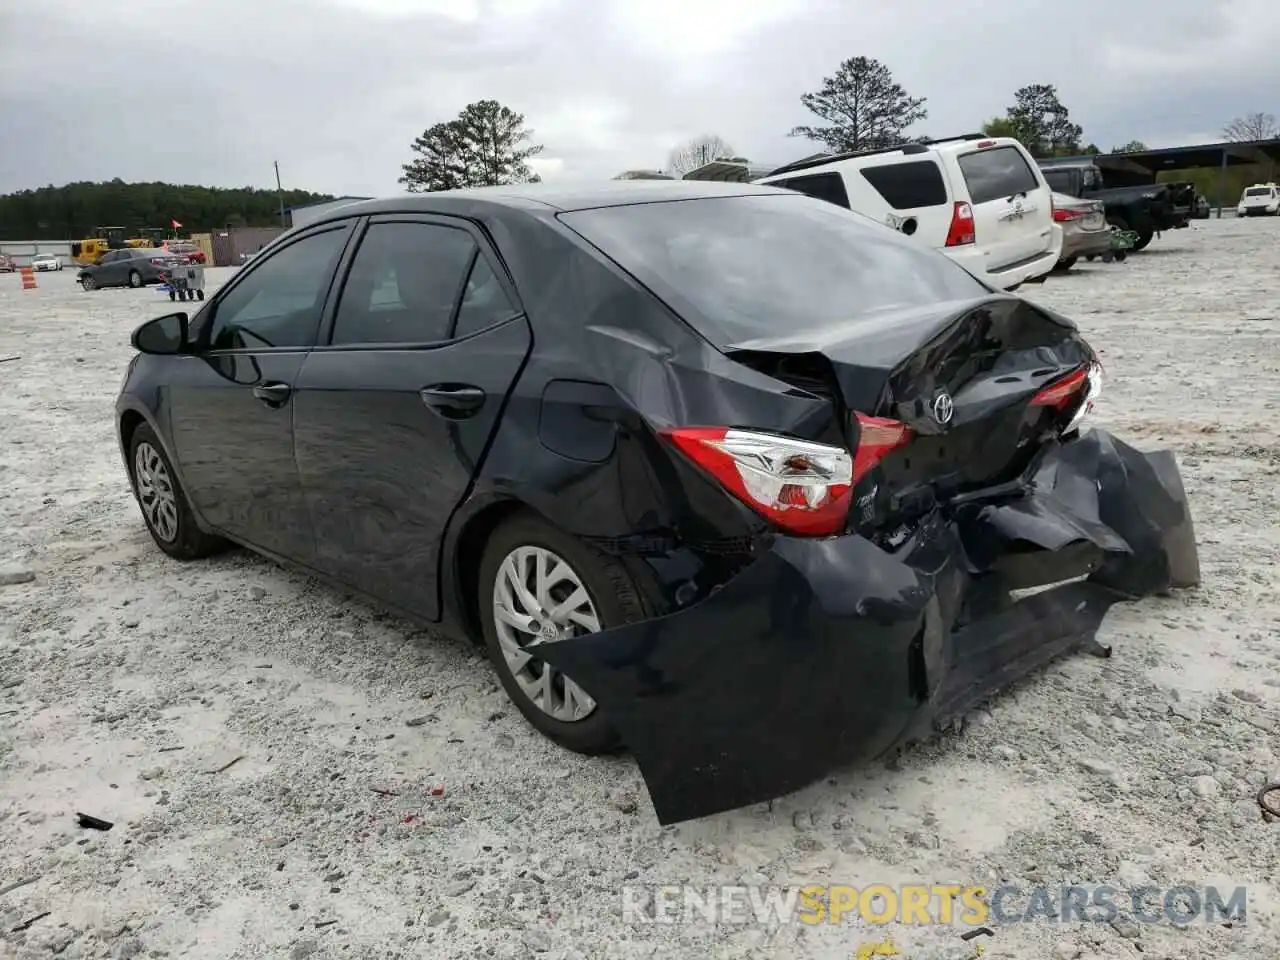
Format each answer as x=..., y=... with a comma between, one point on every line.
x=199, y=294
x=163, y=502
x=615, y=595
x=135, y=279
x=1144, y=238
x=1065, y=265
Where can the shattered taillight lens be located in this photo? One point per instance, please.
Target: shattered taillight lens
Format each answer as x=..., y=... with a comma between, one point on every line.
x=877, y=436
x=1061, y=393
x=1093, y=390
x=1080, y=387
x=803, y=487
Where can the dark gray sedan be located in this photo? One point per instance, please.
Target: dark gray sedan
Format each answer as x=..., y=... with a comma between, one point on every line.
x=130, y=267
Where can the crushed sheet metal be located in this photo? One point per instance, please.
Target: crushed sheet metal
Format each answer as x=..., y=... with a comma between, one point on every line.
x=828, y=652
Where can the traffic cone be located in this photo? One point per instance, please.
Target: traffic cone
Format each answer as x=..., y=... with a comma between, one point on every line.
x=28, y=278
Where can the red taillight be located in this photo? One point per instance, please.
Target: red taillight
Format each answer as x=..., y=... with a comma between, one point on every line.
x=961, y=230
x=803, y=487
x=1061, y=393
x=1062, y=216
x=877, y=436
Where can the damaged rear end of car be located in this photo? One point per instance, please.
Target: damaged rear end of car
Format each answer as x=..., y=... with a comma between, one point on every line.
x=925, y=515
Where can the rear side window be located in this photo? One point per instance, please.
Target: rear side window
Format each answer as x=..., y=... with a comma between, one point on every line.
x=746, y=267
x=907, y=186
x=822, y=186
x=484, y=302
x=403, y=284
x=997, y=173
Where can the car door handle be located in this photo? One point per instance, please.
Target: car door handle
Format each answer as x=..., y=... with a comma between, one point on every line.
x=453, y=400
x=272, y=394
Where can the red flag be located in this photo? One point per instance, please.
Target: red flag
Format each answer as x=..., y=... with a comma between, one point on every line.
x=175, y=223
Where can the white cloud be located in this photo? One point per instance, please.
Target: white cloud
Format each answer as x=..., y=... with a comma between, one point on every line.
x=337, y=89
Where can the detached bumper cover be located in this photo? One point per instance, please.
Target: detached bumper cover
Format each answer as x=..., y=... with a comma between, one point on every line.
x=828, y=652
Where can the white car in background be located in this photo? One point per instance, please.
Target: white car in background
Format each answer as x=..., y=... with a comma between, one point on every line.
x=46, y=261
x=980, y=200
x=1260, y=200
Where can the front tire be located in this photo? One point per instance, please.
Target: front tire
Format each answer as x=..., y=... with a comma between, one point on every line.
x=540, y=585
x=135, y=279
x=163, y=501
x=1065, y=265
x=88, y=283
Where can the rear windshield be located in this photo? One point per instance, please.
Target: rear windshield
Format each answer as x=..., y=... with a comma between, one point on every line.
x=740, y=268
x=997, y=173
x=1258, y=192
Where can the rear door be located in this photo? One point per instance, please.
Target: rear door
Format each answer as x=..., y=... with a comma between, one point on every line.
x=232, y=403
x=1012, y=210
x=393, y=415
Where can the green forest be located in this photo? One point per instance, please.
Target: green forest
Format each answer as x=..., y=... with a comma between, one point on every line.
x=74, y=211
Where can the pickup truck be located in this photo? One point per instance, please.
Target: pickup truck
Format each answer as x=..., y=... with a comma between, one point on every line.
x=1146, y=209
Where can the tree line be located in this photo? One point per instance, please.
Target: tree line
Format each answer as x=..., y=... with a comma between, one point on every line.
x=76, y=210
x=859, y=107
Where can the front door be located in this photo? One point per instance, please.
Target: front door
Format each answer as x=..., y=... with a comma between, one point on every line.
x=392, y=417
x=232, y=404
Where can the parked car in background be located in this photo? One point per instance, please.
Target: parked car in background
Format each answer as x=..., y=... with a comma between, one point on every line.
x=766, y=490
x=1260, y=200
x=980, y=200
x=1085, y=231
x=185, y=248
x=130, y=267
x=46, y=261
x=1146, y=209
x=7, y=263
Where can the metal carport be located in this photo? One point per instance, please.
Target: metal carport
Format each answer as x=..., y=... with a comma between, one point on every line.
x=1122, y=169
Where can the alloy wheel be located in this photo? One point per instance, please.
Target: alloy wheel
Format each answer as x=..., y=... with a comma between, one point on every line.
x=539, y=598
x=155, y=492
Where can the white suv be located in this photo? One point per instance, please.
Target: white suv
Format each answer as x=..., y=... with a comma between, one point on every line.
x=1262, y=199
x=980, y=200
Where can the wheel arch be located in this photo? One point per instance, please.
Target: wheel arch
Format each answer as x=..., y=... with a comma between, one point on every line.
x=468, y=540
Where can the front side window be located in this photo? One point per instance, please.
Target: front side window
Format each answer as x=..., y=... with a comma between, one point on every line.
x=279, y=303
x=823, y=186
x=403, y=284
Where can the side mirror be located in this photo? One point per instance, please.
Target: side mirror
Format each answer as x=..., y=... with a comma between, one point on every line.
x=164, y=336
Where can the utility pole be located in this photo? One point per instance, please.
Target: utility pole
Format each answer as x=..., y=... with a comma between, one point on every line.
x=279, y=193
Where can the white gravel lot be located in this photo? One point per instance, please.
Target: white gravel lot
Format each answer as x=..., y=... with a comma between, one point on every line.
x=127, y=678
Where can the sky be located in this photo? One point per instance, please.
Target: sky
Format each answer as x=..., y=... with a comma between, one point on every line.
x=214, y=91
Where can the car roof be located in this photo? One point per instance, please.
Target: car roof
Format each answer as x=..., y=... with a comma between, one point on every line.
x=533, y=196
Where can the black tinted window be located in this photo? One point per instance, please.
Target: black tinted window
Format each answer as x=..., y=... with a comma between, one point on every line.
x=1063, y=181
x=739, y=268
x=823, y=186
x=279, y=303
x=403, y=285
x=484, y=302
x=997, y=173
x=906, y=186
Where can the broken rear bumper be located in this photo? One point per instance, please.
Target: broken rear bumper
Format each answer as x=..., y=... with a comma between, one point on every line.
x=826, y=652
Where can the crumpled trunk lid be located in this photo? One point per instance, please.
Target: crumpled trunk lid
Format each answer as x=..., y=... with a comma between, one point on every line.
x=961, y=375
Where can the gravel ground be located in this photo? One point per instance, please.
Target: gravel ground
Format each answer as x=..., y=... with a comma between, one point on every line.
x=384, y=799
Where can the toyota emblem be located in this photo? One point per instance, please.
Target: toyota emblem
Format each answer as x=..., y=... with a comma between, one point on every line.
x=943, y=408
